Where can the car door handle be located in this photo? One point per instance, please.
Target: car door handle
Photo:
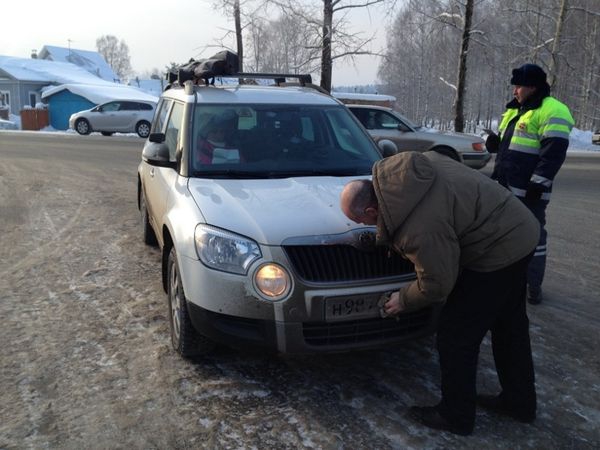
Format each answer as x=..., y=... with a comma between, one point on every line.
x=152, y=171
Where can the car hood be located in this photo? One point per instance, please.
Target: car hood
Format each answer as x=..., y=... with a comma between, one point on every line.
x=272, y=210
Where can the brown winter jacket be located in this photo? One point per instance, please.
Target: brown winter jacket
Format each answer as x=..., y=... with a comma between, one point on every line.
x=444, y=216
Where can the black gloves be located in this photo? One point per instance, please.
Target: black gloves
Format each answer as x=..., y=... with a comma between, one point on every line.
x=492, y=143
x=534, y=191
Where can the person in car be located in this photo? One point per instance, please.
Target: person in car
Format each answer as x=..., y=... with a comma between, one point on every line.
x=215, y=144
x=533, y=142
x=470, y=241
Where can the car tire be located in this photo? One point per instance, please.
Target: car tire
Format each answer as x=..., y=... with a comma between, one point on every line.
x=185, y=339
x=148, y=232
x=143, y=129
x=82, y=126
x=447, y=151
x=106, y=133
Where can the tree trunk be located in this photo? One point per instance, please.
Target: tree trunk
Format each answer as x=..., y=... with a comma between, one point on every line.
x=326, y=52
x=553, y=68
x=459, y=118
x=238, y=34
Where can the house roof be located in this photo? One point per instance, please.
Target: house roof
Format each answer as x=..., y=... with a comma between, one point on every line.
x=44, y=71
x=101, y=93
x=91, y=61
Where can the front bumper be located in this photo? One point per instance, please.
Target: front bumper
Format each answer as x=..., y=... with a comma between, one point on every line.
x=313, y=337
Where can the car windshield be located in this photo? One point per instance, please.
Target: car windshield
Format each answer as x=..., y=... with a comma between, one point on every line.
x=273, y=141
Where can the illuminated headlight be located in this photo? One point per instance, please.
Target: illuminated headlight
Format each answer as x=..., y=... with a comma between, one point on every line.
x=225, y=251
x=272, y=281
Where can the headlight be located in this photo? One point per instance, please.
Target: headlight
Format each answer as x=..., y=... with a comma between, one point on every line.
x=225, y=251
x=272, y=281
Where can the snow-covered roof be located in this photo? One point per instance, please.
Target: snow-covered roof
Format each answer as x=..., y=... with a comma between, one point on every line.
x=368, y=97
x=101, y=93
x=151, y=86
x=91, y=61
x=41, y=70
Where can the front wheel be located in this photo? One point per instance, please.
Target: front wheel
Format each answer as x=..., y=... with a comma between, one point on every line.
x=185, y=339
x=82, y=126
x=143, y=129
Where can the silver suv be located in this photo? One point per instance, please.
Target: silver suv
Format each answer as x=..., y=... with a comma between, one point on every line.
x=122, y=116
x=240, y=186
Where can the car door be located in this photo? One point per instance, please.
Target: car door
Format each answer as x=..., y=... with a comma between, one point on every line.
x=158, y=181
x=126, y=117
x=106, y=118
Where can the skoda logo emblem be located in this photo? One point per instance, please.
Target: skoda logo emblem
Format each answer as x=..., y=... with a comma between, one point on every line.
x=366, y=241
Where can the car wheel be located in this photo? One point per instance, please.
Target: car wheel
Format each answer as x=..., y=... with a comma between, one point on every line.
x=143, y=129
x=106, y=133
x=82, y=126
x=148, y=232
x=448, y=151
x=184, y=338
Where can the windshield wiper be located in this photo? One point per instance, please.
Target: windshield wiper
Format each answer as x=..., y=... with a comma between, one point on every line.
x=228, y=173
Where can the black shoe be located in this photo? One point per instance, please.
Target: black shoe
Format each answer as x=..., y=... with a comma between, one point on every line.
x=431, y=417
x=495, y=404
x=534, y=297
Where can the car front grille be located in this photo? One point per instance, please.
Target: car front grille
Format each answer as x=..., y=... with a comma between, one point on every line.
x=333, y=263
x=365, y=331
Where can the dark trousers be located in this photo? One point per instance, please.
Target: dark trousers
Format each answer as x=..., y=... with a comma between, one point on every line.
x=482, y=301
x=537, y=265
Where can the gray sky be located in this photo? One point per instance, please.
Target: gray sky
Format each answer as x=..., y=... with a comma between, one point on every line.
x=156, y=32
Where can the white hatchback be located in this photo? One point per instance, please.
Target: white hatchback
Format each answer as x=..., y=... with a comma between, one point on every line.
x=119, y=116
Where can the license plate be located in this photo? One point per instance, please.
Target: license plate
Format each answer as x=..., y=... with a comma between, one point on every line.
x=351, y=308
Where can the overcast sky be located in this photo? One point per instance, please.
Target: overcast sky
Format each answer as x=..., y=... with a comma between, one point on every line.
x=157, y=32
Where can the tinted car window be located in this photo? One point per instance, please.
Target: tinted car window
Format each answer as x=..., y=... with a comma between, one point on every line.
x=145, y=106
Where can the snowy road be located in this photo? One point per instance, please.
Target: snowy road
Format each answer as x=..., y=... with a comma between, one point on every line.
x=86, y=359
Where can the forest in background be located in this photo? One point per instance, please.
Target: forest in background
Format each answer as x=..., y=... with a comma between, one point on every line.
x=423, y=46
x=446, y=61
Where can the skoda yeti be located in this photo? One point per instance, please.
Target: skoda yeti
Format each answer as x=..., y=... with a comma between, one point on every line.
x=239, y=186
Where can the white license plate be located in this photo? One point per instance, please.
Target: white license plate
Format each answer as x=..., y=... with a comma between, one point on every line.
x=351, y=308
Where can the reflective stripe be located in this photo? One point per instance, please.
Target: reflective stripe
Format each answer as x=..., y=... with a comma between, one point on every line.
x=559, y=121
x=540, y=253
x=518, y=192
x=523, y=149
x=523, y=134
x=541, y=180
x=556, y=133
x=522, y=192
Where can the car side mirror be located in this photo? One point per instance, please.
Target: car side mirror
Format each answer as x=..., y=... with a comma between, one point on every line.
x=157, y=154
x=387, y=147
x=157, y=137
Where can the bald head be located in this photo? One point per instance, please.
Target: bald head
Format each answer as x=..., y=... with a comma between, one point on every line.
x=359, y=202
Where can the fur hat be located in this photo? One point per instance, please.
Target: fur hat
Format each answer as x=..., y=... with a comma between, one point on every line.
x=529, y=75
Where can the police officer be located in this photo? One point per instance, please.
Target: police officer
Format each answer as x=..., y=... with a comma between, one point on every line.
x=531, y=147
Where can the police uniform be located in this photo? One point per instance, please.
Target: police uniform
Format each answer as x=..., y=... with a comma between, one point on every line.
x=533, y=141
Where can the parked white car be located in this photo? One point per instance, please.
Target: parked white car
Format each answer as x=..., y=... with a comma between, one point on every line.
x=596, y=138
x=240, y=186
x=119, y=116
x=385, y=123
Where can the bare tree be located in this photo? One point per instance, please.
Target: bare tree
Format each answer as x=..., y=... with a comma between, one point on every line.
x=116, y=54
x=459, y=118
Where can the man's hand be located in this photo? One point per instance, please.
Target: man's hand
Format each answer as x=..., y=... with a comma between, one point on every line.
x=393, y=306
x=534, y=191
x=492, y=143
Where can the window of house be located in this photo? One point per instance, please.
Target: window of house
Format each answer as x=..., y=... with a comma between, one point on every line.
x=5, y=98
